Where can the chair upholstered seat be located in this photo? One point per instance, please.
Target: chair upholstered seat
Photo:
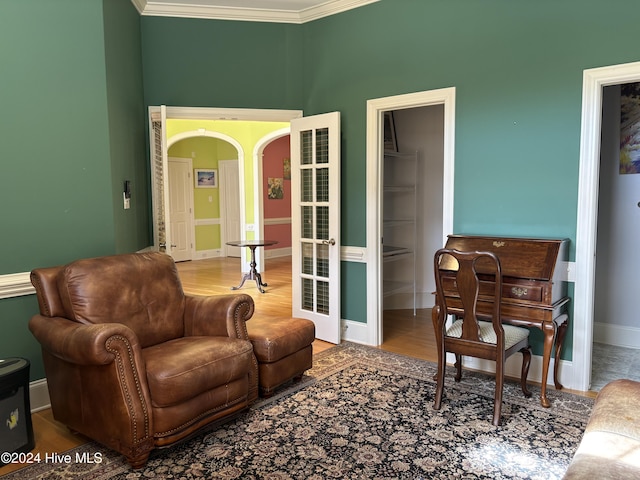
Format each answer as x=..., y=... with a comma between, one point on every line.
x=512, y=334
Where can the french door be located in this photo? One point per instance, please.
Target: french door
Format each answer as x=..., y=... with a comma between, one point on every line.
x=315, y=221
x=315, y=175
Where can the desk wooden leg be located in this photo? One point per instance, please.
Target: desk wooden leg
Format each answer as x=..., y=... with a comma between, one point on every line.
x=549, y=332
x=563, y=323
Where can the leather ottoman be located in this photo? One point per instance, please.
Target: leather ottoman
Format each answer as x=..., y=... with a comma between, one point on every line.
x=283, y=349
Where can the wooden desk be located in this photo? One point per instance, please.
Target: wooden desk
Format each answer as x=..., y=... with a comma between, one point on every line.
x=533, y=292
x=253, y=273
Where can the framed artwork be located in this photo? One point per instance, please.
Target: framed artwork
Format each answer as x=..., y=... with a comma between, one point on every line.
x=630, y=128
x=206, y=178
x=275, y=189
x=286, y=168
x=390, y=142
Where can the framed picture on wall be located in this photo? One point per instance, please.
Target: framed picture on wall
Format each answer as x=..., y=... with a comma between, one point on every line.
x=286, y=168
x=275, y=189
x=206, y=178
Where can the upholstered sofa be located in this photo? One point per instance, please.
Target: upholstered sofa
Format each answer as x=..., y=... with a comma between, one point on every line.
x=610, y=447
x=131, y=360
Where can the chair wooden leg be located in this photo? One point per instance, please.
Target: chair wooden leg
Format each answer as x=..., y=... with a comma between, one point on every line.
x=458, y=367
x=526, y=361
x=439, y=376
x=497, y=401
x=442, y=363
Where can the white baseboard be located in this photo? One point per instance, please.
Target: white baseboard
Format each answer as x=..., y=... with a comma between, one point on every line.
x=356, y=332
x=39, y=395
x=278, y=252
x=617, y=335
x=403, y=301
x=202, y=254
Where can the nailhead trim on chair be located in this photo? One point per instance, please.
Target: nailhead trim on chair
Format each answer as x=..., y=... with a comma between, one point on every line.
x=239, y=334
x=120, y=365
x=38, y=287
x=202, y=415
x=242, y=333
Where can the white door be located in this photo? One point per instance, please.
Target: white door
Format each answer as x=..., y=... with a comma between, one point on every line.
x=181, y=208
x=315, y=219
x=230, y=205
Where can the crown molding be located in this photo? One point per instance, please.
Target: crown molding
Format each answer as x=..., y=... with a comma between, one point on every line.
x=164, y=9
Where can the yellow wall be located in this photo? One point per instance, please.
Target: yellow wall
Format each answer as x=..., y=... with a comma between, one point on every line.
x=205, y=152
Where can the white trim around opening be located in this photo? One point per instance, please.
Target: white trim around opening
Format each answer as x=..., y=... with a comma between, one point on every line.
x=375, y=110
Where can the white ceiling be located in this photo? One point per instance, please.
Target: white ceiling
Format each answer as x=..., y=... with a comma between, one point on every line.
x=280, y=11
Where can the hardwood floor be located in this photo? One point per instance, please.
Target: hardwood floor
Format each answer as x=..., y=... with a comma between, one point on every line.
x=403, y=333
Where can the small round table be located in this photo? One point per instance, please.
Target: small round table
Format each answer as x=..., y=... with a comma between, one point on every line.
x=252, y=274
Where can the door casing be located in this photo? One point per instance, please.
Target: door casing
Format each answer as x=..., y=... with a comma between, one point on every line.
x=593, y=81
x=375, y=159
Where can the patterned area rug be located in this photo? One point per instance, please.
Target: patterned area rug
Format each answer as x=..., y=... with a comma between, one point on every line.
x=362, y=413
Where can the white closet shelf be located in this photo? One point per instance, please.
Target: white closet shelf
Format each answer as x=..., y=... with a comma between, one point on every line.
x=399, y=223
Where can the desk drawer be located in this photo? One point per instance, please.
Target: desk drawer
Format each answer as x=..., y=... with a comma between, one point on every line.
x=517, y=291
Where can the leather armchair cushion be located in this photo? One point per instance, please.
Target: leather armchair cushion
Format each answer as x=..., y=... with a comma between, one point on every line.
x=144, y=292
x=181, y=369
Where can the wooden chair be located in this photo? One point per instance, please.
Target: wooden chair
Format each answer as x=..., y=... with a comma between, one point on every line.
x=458, y=291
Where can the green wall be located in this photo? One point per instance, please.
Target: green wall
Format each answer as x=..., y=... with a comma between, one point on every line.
x=127, y=121
x=73, y=118
x=517, y=67
x=200, y=63
x=72, y=126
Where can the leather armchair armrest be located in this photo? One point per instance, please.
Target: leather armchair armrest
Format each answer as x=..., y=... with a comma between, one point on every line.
x=218, y=315
x=79, y=343
x=97, y=382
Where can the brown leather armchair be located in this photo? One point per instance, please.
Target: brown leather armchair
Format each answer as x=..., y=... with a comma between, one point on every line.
x=134, y=363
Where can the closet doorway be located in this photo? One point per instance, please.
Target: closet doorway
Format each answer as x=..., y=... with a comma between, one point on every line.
x=424, y=130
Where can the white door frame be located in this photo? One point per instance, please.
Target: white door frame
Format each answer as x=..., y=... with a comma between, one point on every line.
x=587, y=215
x=375, y=159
